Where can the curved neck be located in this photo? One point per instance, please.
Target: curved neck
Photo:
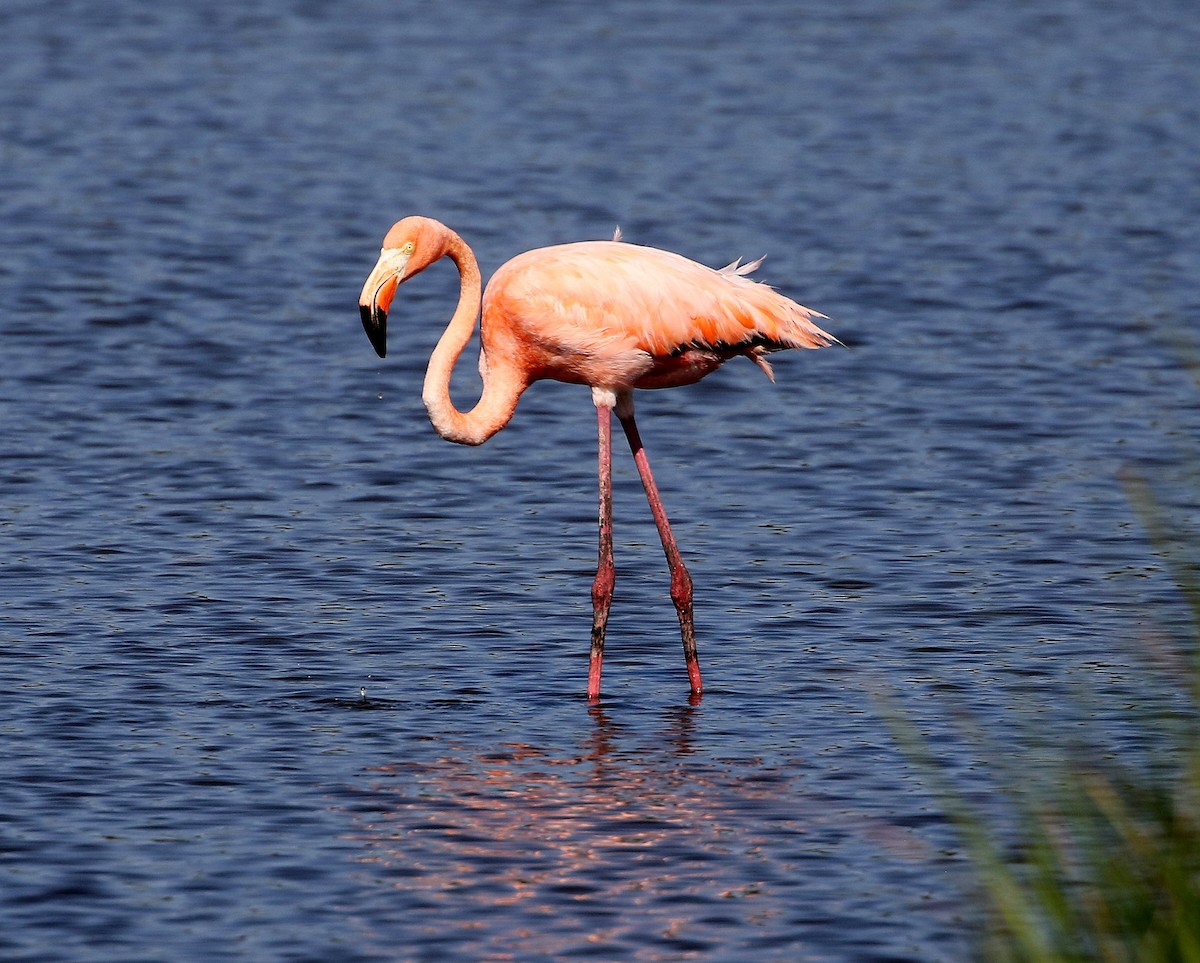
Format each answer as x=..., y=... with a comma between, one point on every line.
x=501, y=386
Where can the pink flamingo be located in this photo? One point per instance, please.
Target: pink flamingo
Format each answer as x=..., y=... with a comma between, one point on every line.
x=606, y=314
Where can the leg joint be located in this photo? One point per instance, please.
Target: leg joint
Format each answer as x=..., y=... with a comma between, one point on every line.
x=602, y=585
x=681, y=588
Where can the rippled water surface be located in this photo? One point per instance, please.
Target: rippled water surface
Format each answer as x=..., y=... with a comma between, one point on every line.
x=288, y=677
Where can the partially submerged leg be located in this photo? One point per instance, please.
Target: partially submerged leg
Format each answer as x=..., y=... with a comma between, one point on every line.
x=681, y=580
x=606, y=574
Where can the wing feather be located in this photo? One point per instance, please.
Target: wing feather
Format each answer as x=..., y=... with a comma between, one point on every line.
x=607, y=296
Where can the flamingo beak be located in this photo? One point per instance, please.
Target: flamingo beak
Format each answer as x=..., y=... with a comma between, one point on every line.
x=377, y=294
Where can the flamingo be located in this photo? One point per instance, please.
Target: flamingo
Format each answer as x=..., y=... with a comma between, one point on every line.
x=607, y=314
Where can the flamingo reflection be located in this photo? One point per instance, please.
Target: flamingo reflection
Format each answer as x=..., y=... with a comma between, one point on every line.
x=524, y=852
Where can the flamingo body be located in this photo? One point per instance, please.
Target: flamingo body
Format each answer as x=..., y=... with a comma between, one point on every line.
x=619, y=316
x=607, y=314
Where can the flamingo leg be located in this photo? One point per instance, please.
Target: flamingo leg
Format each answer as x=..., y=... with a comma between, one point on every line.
x=606, y=573
x=681, y=580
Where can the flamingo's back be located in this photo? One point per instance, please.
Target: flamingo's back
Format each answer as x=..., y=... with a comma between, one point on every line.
x=607, y=312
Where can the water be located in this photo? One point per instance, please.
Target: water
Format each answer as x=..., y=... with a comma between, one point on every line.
x=288, y=677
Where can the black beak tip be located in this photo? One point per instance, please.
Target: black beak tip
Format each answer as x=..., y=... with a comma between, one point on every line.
x=375, y=324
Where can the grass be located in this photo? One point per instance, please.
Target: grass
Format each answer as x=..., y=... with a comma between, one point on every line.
x=1101, y=858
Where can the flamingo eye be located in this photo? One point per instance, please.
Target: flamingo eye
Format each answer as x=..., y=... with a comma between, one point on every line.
x=409, y=247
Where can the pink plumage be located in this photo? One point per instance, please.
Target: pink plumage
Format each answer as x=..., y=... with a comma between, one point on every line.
x=617, y=315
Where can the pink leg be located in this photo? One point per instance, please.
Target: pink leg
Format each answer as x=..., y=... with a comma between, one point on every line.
x=606, y=573
x=681, y=581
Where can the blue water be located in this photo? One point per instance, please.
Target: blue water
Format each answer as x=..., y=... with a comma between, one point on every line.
x=287, y=677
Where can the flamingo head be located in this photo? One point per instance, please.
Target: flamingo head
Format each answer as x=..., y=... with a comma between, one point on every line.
x=409, y=247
